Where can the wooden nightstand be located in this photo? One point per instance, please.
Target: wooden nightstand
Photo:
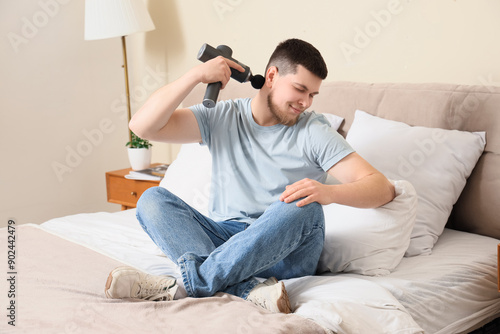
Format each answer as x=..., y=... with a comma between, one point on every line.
x=126, y=191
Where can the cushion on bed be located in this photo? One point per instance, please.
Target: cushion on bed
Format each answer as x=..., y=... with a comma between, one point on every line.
x=369, y=241
x=436, y=161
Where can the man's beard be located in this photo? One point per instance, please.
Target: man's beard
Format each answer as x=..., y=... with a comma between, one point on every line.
x=281, y=116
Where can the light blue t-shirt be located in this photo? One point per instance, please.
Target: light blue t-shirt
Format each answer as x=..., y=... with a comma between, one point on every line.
x=252, y=164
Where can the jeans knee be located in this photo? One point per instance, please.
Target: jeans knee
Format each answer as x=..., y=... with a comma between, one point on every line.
x=151, y=204
x=315, y=211
x=314, y=216
x=311, y=215
x=149, y=198
x=313, y=208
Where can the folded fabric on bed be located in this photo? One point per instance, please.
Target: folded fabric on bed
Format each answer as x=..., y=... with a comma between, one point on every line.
x=361, y=306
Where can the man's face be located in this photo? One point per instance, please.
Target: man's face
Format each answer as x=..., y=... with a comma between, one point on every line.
x=292, y=94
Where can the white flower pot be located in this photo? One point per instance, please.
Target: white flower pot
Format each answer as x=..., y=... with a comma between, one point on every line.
x=140, y=158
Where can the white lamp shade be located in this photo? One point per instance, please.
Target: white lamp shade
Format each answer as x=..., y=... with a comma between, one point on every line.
x=114, y=18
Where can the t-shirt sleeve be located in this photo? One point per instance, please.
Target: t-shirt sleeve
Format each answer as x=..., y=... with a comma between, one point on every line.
x=213, y=121
x=327, y=146
x=203, y=118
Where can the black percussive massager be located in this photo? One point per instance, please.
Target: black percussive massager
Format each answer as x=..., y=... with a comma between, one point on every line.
x=208, y=52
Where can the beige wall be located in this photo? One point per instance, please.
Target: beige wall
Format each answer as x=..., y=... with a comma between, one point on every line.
x=62, y=107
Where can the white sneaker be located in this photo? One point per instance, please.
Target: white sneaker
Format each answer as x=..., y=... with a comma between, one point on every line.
x=128, y=282
x=271, y=295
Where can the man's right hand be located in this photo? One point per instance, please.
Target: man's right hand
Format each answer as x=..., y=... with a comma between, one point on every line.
x=160, y=120
x=217, y=70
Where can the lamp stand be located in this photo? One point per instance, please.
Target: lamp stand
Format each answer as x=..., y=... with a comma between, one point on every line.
x=127, y=93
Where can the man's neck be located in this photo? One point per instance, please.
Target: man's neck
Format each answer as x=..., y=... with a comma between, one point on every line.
x=260, y=110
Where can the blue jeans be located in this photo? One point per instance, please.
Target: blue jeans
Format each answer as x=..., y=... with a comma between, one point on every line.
x=285, y=241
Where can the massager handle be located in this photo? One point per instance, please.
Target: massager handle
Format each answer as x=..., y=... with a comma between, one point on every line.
x=212, y=94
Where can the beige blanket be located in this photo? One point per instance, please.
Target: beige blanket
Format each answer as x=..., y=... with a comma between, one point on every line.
x=59, y=288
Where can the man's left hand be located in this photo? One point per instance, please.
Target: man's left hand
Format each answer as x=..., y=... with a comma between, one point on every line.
x=307, y=189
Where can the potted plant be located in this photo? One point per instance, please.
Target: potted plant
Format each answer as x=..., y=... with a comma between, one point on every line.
x=139, y=153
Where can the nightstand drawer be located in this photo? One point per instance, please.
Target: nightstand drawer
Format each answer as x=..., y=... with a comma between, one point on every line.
x=125, y=191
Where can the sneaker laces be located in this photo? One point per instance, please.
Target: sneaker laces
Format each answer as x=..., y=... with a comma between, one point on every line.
x=262, y=302
x=270, y=295
x=156, y=290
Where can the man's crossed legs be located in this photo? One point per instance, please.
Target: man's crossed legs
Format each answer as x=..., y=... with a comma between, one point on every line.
x=284, y=242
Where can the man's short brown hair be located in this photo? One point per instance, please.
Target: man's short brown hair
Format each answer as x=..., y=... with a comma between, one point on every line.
x=292, y=52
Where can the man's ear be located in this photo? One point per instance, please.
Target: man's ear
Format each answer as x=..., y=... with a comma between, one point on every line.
x=271, y=75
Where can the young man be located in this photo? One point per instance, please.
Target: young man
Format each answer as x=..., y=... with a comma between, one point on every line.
x=270, y=161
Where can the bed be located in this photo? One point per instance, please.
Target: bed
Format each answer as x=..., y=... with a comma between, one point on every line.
x=424, y=263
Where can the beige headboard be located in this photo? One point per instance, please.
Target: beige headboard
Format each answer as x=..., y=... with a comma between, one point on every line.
x=447, y=106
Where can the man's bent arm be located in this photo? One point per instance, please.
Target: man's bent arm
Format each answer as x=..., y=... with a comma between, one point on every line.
x=362, y=186
x=160, y=120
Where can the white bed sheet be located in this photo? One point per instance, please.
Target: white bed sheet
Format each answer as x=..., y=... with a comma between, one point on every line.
x=445, y=297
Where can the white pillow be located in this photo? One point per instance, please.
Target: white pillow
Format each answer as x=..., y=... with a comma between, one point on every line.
x=189, y=176
x=369, y=241
x=436, y=161
x=334, y=120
